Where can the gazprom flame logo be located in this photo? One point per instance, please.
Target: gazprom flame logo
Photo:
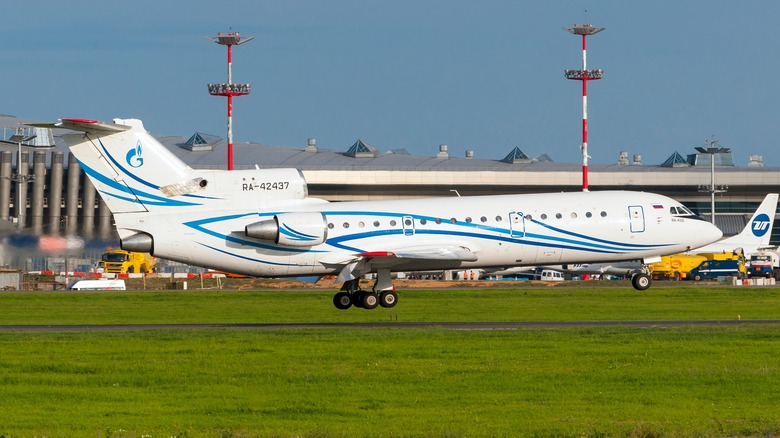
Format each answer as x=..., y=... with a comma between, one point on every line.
x=760, y=225
x=133, y=157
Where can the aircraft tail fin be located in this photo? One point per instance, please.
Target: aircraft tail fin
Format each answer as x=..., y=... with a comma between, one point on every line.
x=131, y=170
x=758, y=230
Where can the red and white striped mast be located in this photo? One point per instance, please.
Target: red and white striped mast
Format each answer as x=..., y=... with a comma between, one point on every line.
x=229, y=89
x=584, y=75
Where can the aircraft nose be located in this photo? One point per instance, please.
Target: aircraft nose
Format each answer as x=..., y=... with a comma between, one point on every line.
x=711, y=233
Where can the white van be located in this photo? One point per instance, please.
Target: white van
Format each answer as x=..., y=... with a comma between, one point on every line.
x=98, y=285
x=550, y=275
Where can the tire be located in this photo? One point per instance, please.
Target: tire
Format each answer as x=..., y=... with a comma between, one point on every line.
x=357, y=298
x=342, y=301
x=131, y=270
x=641, y=281
x=697, y=277
x=388, y=299
x=370, y=300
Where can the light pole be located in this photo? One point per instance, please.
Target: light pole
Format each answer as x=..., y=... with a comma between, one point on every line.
x=584, y=75
x=230, y=89
x=20, y=178
x=712, y=150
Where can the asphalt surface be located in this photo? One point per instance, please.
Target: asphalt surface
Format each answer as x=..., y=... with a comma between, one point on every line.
x=388, y=325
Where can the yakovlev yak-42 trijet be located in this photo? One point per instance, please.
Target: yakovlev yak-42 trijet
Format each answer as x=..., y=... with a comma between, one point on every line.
x=261, y=222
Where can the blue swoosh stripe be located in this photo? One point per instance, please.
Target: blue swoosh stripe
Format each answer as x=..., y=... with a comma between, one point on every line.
x=564, y=243
x=148, y=198
x=251, y=259
x=604, y=244
x=294, y=234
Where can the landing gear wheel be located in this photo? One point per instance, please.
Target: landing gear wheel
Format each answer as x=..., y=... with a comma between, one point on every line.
x=641, y=281
x=388, y=298
x=357, y=298
x=342, y=300
x=370, y=300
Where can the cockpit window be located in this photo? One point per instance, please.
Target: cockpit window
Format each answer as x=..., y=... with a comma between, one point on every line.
x=681, y=210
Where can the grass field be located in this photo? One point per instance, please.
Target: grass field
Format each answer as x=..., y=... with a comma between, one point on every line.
x=689, y=381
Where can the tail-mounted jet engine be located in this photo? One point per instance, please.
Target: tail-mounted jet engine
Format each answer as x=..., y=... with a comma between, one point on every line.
x=291, y=229
x=138, y=242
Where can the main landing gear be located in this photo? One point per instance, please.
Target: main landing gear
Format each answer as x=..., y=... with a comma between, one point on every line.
x=350, y=295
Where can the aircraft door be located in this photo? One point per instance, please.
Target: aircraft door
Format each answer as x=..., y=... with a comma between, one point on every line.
x=408, y=224
x=516, y=224
x=636, y=217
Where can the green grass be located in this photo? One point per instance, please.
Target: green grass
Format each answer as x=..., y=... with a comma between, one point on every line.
x=689, y=381
x=444, y=305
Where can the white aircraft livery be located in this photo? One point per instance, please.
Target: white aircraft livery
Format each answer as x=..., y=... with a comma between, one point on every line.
x=261, y=222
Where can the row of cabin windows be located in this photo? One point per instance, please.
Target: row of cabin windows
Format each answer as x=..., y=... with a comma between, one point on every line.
x=573, y=215
x=483, y=219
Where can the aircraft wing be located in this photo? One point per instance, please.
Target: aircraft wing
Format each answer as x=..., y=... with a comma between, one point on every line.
x=427, y=252
x=410, y=257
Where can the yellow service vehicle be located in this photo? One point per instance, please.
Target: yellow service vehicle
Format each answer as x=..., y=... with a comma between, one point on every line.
x=677, y=266
x=119, y=261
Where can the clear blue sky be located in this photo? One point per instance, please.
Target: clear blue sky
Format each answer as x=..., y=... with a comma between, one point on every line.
x=411, y=74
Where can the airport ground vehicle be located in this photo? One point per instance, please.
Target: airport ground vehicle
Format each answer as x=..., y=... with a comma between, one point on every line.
x=119, y=261
x=712, y=269
x=675, y=266
x=550, y=275
x=765, y=263
x=678, y=266
x=98, y=285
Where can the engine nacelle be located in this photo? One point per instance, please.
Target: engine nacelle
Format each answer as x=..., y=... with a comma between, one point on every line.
x=139, y=242
x=291, y=229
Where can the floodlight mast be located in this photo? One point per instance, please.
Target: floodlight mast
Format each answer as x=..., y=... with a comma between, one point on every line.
x=229, y=89
x=20, y=178
x=584, y=75
x=713, y=149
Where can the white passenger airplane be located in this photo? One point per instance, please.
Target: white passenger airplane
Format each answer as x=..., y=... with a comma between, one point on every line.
x=261, y=222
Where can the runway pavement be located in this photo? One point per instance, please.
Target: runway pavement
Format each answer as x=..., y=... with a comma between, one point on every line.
x=388, y=325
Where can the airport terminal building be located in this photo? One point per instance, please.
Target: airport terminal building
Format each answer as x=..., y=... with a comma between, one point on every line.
x=57, y=198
